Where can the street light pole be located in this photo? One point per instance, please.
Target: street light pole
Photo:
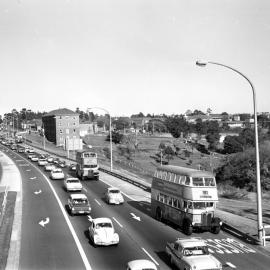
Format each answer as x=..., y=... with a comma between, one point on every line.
x=259, y=198
x=110, y=131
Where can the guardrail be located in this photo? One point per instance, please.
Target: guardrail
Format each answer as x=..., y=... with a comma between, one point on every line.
x=264, y=237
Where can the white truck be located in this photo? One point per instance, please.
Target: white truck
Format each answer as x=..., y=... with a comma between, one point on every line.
x=191, y=253
x=87, y=165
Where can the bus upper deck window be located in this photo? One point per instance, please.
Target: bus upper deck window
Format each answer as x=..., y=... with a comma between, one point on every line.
x=209, y=182
x=197, y=181
x=187, y=182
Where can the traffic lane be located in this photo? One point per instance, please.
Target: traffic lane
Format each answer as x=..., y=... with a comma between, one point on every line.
x=43, y=247
x=230, y=251
x=222, y=255
x=113, y=257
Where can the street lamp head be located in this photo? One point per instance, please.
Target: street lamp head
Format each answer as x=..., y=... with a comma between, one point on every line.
x=201, y=63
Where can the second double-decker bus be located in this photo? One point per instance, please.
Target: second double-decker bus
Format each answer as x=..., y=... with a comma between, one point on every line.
x=185, y=197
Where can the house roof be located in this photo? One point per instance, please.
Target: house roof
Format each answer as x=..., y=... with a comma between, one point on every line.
x=63, y=111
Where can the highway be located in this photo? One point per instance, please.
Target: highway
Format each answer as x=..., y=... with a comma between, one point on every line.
x=52, y=239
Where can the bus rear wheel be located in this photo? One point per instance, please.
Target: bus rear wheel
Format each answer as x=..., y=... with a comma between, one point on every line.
x=187, y=227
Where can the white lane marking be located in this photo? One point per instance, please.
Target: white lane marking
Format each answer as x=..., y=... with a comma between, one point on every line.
x=230, y=265
x=117, y=222
x=44, y=222
x=28, y=170
x=89, y=218
x=75, y=237
x=38, y=191
x=85, y=189
x=32, y=178
x=97, y=202
x=150, y=256
x=24, y=165
x=135, y=217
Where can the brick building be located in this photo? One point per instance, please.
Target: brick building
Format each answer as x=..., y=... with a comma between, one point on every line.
x=62, y=127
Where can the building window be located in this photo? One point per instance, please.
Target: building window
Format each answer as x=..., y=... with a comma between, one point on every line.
x=74, y=124
x=74, y=130
x=61, y=131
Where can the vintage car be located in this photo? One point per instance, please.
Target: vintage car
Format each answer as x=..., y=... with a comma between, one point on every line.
x=78, y=204
x=72, y=167
x=113, y=196
x=191, y=253
x=49, y=167
x=42, y=162
x=141, y=265
x=57, y=174
x=62, y=164
x=101, y=232
x=50, y=159
x=34, y=158
x=72, y=184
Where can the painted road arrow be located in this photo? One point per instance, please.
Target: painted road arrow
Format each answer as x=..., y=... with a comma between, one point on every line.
x=38, y=192
x=44, y=222
x=89, y=218
x=135, y=217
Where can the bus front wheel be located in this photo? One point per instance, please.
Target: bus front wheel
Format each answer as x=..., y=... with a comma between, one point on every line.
x=187, y=227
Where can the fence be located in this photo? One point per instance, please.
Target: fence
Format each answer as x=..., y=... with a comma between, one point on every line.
x=264, y=237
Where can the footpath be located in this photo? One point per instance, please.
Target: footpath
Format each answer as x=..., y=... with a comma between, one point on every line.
x=11, y=213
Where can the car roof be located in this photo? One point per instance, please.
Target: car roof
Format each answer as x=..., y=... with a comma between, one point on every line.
x=78, y=196
x=113, y=188
x=57, y=170
x=101, y=220
x=141, y=264
x=190, y=242
x=72, y=178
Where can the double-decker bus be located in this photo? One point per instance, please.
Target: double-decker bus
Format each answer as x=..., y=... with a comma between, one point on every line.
x=185, y=197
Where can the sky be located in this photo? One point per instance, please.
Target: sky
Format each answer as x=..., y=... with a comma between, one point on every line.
x=131, y=56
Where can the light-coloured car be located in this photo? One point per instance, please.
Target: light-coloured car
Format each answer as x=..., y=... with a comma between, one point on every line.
x=114, y=196
x=50, y=159
x=57, y=174
x=72, y=184
x=49, y=167
x=191, y=253
x=141, y=265
x=34, y=158
x=101, y=232
x=42, y=162
x=72, y=167
x=78, y=204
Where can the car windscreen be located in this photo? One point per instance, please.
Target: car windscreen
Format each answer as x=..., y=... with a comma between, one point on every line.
x=80, y=201
x=72, y=181
x=198, y=250
x=103, y=225
x=114, y=191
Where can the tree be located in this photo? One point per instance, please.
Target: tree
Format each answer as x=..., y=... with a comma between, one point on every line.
x=212, y=134
x=169, y=153
x=209, y=110
x=177, y=125
x=121, y=123
x=232, y=144
x=116, y=137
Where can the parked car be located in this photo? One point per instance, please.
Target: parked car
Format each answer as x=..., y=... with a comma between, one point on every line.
x=42, y=162
x=101, y=232
x=20, y=150
x=57, y=174
x=141, y=265
x=72, y=184
x=114, y=196
x=49, y=167
x=191, y=253
x=78, y=204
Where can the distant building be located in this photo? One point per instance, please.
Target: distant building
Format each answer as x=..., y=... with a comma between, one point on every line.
x=87, y=128
x=62, y=127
